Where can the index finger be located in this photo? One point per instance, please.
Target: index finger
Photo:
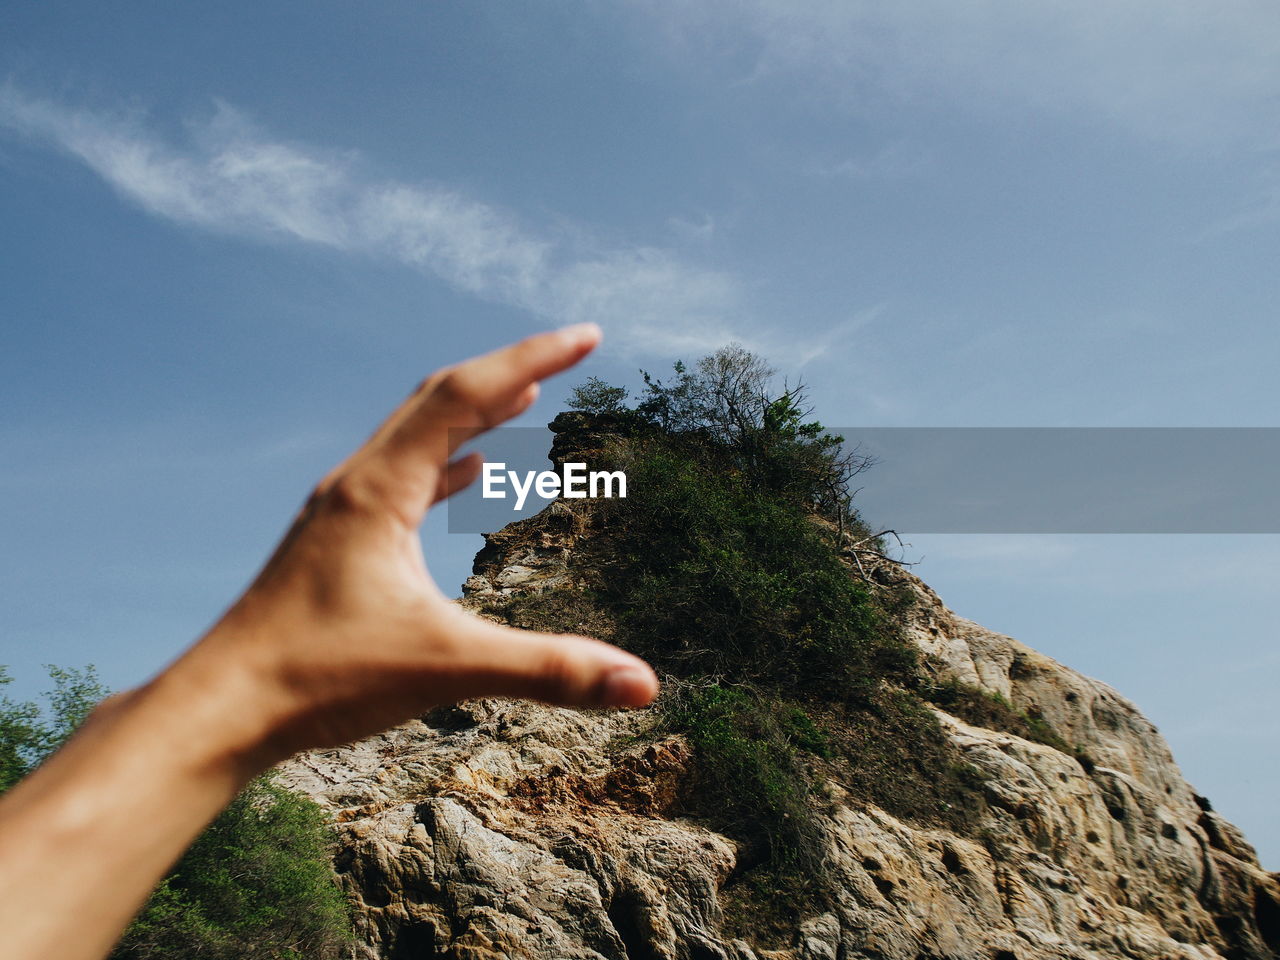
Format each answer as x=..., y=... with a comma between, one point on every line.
x=487, y=384
x=463, y=401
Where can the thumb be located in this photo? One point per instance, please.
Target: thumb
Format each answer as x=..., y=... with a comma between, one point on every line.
x=561, y=669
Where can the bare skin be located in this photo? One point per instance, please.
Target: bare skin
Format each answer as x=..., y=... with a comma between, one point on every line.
x=343, y=633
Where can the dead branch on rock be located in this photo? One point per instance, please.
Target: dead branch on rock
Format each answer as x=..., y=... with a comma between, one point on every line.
x=856, y=551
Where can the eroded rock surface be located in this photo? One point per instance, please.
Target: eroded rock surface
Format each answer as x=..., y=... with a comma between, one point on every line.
x=508, y=829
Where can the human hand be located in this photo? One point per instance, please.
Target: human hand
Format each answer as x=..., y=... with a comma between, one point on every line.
x=344, y=633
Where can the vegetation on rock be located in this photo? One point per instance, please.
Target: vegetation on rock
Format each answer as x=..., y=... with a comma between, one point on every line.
x=728, y=567
x=986, y=708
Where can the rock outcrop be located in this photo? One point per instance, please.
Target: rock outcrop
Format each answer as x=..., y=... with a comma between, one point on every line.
x=512, y=829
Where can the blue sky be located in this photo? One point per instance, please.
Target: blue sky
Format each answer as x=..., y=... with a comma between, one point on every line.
x=236, y=235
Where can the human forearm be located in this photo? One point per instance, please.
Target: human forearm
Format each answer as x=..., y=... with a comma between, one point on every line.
x=96, y=827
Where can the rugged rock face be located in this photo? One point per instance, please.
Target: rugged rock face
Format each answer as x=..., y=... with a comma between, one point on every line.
x=509, y=829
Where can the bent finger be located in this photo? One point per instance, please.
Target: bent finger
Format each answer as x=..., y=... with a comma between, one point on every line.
x=460, y=474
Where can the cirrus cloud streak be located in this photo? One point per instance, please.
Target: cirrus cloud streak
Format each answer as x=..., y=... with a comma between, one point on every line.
x=228, y=177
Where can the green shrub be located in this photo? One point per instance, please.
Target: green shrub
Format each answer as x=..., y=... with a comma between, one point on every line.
x=804, y=733
x=894, y=753
x=728, y=399
x=256, y=884
x=563, y=610
x=597, y=397
x=719, y=576
x=30, y=732
x=751, y=782
x=22, y=737
x=991, y=709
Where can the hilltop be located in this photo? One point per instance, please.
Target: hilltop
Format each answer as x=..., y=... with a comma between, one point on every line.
x=975, y=799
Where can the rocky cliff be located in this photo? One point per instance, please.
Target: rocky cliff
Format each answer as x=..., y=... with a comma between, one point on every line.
x=511, y=829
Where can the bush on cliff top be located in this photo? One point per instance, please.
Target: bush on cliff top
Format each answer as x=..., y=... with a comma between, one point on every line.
x=722, y=569
x=724, y=577
x=726, y=570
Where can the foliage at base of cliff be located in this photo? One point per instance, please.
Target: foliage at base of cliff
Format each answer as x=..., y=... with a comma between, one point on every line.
x=258, y=883
x=30, y=731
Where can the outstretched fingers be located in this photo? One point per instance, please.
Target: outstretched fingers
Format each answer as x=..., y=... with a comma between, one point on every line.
x=480, y=393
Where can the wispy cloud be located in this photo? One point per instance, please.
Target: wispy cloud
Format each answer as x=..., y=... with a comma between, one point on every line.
x=227, y=176
x=700, y=230
x=895, y=161
x=838, y=335
x=1176, y=70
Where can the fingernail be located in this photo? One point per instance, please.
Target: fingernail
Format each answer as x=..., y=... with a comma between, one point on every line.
x=579, y=332
x=626, y=687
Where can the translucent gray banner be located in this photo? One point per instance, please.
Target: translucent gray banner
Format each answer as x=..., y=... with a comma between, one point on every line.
x=1003, y=479
x=519, y=449
x=1070, y=479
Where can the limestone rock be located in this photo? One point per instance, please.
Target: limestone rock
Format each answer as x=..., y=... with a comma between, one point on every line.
x=510, y=829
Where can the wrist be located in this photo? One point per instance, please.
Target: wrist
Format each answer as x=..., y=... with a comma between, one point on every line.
x=221, y=695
